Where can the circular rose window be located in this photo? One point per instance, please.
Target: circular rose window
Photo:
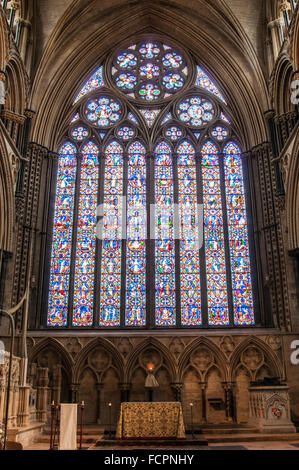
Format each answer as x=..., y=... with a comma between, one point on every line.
x=149, y=71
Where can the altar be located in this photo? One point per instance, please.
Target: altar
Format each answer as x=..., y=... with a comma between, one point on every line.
x=150, y=420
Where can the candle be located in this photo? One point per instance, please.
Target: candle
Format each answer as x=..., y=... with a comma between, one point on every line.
x=82, y=402
x=109, y=404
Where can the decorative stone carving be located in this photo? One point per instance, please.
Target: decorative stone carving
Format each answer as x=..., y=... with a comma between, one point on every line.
x=150, y=356
x=202, y=358
x=176, y=346
x=269, y=409
x=274, y=341
x=124, y=346
x=227, y=345
x=73, y=346
x=99, y=359
x=252, y=357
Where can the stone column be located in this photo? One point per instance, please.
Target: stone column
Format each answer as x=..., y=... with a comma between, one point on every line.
x=124, y=392
x=177, y=389
x=229, y=401
x=99, y=388
x=13, y=7
x=42, y=393
x=74, y=387
x=276, y=35
x=203, y=386
x=23, y=411
x=22, y=36
x=56, y=383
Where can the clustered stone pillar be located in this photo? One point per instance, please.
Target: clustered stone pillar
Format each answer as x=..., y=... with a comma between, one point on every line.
x=56, y=389
x=276, y=35
x=18, y=412
x=74, y=388
x=42, y=393
x=229, y=401
x=203, y=386
x=22, y=33
x=23, y=415
x=177, y=388
x=99, y=388
x=124, y=392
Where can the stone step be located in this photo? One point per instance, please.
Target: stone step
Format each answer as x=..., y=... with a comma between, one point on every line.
x=228, y=430
x=213, y=438
x=88, y=439
x=200, y=441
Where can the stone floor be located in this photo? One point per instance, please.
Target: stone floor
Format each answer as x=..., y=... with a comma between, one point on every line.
x=261, y=445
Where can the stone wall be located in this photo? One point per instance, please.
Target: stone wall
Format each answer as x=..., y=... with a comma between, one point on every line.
x=213, y=372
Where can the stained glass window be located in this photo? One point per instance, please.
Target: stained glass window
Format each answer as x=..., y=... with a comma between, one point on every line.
x=214, y=237
x=95, y=81
x=150, y=222
x=62, y=237
x=164, y=233
x=149, y=71
x=86, y=238
x=136, y=237
x=189, y=244
x=112, y=236
x=238, y=236
x=204, y=81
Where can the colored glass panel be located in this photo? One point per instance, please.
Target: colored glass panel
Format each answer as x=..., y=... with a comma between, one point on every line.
x=203, y=81
x=62, y=237
x=111, y=237
x=95, y=81
x=195, y=111
x=149, y=72
x=103, y=111
x=150, y=115
x=136, y=236
x=174, y=133
x=164, y=233
x=189, y=246
x=214, y=238
x=86, y=238
x=219, y=133
x=238, y=236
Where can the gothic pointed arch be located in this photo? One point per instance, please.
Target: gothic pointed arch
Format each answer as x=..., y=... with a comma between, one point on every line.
x=253, y=354
x=99, y=354
x=107, y=273
x=150, y=346
x=209, y=356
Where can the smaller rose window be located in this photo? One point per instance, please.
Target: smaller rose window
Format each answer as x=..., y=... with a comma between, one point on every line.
x=196, y=111
x=103, y=111
x=219, y=133
x=149, y=71
x=79, y=133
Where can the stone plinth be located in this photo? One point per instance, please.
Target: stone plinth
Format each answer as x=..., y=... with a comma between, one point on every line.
x=269, y=409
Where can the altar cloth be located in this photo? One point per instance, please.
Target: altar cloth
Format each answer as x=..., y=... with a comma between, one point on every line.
x=150, y=420
x=68, y=426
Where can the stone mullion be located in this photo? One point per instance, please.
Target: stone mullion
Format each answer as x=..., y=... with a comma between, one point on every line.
x=20, y=235
x=254, y=194
x=271, y=188
x=260, y=160
x=275, y=234
x=280, y=260
x=32, y=187
x=42, y=231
